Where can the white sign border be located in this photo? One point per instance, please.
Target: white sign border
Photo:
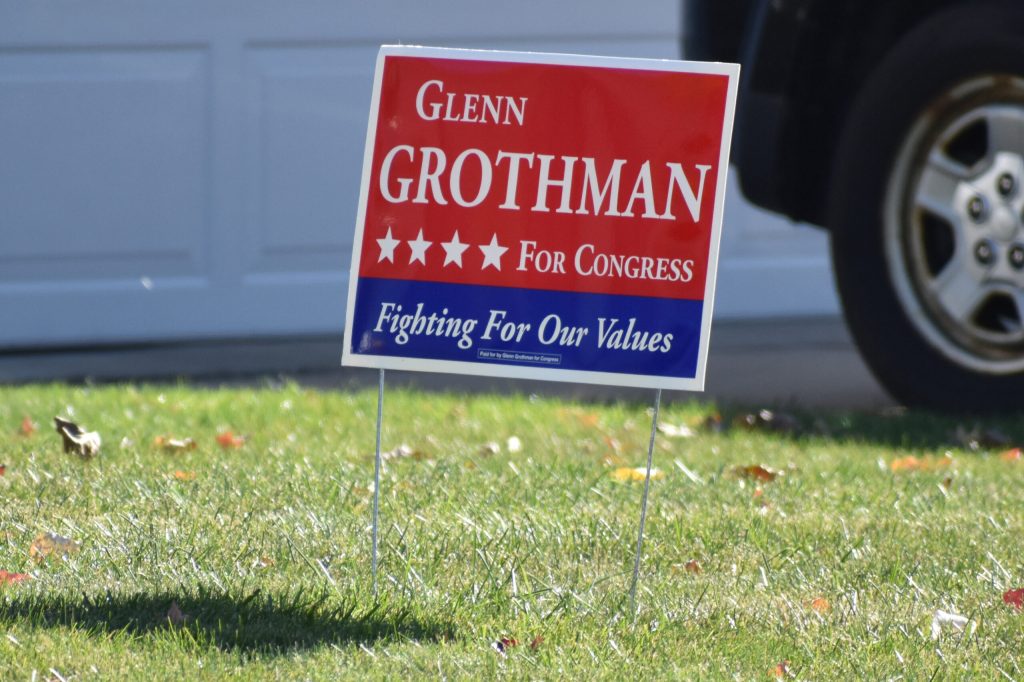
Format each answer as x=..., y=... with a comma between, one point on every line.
x=510, y=371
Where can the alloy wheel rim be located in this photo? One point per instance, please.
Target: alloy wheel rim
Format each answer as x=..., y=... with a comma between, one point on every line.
x=954, y=225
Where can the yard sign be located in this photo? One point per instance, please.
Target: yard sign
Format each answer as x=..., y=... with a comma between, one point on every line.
x=540, y=216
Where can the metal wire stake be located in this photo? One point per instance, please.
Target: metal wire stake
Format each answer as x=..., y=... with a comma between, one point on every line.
x=643, y=506
x=376, y=477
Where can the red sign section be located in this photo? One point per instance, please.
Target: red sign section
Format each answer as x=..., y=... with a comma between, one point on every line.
x=588, y=191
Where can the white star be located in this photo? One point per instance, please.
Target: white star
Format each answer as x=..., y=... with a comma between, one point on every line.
x=453, y=250
x=419, y=248
x=387, y=247
x=493, y=253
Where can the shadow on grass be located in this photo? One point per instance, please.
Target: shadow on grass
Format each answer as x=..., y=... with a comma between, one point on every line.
x=913, y=429
x=275, y=624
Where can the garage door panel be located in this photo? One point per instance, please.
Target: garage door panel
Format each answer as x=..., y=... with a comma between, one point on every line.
x=191, y=169
x=104, y=169
x=307, y=112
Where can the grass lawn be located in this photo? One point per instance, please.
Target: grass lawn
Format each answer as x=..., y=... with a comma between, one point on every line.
x=837, y=566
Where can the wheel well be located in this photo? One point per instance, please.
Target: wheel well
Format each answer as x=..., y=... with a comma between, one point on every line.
x=843, y=45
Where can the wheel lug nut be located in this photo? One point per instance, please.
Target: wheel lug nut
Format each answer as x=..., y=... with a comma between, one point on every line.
x=1006, y=184
x=984, y=253
x=976, y=208
x=1017, y=256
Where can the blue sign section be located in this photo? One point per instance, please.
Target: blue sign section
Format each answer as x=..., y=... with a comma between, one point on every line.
x=528, y=327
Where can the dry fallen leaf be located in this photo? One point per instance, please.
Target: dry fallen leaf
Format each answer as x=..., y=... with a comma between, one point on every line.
x=781, y=669
x=174, y=444
x=1014, y=598
x=714, y=423
x=263, y=562
x=536, y=642
x=504, y=644
x=1011, y=455
x=52, y=545
x=692, y=566
x=908, y=463
x=927, y=463
x=756, y=471
x=3, y=469
x=613, y=460
x=12, y=578
x=613, y=444
x=820, y=605
x=175, y=615
x=185, y=475
x=636, y=474
x=83, y=443
x=28, y=427
x=228, y=440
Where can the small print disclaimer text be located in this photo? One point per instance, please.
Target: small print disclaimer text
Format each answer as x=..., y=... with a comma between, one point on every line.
x=515, y=356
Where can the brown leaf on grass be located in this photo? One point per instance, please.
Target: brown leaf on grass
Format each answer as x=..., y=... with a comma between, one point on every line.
x=3, y=469
x=781, y=669
x=908, y=463
x=757, y=472
x=612, y=460
x=48, y=545
x=82, y=443
x=28, y=427
x=536, y=642
x=504, y=644
x=1011, y=455
x=626, y=474
x=185, y=475
x=263, y=562
x=584, y=418
x=820, y=605
x=714, y=423
x=7, y=578
x=766, y=420
x=926, y=463
x=1014, y=598
x=228, y=440
x=169, y=444
x=175, y=616
x=692, y=566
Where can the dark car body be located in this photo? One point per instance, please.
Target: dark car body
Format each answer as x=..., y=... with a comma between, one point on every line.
x=803, y=63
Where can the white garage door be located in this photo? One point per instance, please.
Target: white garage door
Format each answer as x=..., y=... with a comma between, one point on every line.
x=190, y=169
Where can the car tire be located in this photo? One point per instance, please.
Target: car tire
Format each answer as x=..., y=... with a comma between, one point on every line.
x=926, y=212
